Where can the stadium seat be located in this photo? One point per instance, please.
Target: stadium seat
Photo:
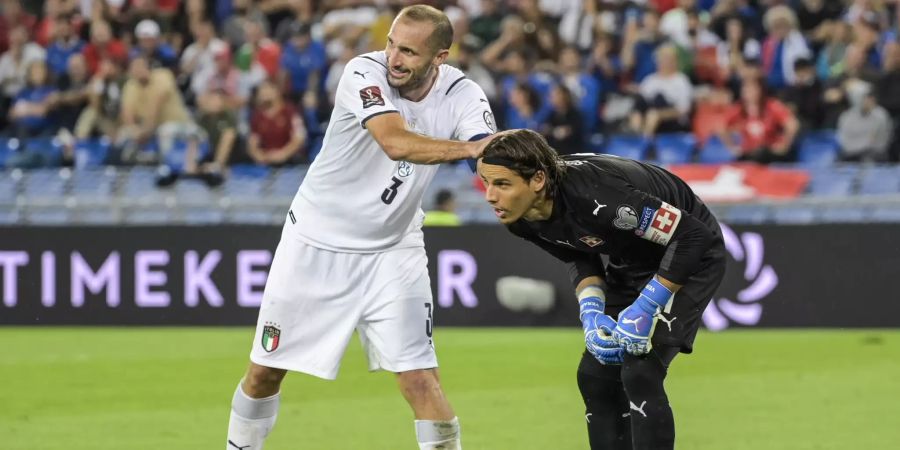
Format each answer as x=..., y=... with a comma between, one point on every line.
x=49, y=216
x=9, y=216
x=832, y=181
x=252, y=217
x=93, y=182
x=139, y=182
x=91, y=152
x=49, y=183
x=715, y=152
x=843, y=214
x=175, y=159
x=628, y=146
x=880, y=180
x=287, y=180
x=96, y=216
x=676, y=148
x=596, y=141
x=747, y=214
x=204, y=216
x=819, y=148
x=5, y=149
x=890, y=214
x=149, y=216
x=794, y=215
x=9, y=187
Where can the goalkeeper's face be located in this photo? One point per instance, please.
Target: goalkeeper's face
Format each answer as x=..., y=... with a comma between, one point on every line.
x=511, y=196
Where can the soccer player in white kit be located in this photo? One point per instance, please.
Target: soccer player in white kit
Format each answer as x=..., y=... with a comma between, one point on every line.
x=351, y=255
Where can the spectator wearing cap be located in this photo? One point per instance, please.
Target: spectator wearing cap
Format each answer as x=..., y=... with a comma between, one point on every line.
x=65, y=44
x=303, y=61
x=103, y=46
x=784, y=46
x=151, y=47
x=15, y=62
x=805, y=96
x=277, y=132
x=444, y=212
x=258, y=50
x=864, y=130
x=220, y=77
x=665, y=96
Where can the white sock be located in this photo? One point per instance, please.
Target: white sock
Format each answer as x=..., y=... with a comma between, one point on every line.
x=438, y=434
x=251, y=420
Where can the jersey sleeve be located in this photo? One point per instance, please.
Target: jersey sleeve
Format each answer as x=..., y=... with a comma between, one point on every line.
x=639, y=215
x=363, y=89
x=472, y=111
x=579, y=265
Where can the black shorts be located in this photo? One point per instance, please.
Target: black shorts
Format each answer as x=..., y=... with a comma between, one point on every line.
x=678, y=327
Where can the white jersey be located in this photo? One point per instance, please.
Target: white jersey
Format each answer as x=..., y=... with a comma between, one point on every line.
x=354, y=198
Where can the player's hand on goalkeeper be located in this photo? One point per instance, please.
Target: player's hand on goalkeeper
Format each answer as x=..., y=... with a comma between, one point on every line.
x=598, y=329
x=634, y=329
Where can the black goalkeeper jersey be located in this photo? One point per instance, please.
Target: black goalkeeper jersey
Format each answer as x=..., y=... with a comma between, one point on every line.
x=645, y=219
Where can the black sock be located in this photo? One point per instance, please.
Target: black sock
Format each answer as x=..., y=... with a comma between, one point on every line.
x=652, y=424
x=606, y=405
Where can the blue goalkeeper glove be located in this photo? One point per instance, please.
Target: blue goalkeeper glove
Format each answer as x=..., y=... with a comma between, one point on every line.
x=636, y=322
x=598, y=327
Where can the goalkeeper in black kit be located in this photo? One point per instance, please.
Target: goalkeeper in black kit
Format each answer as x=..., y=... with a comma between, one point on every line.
x=666, y=258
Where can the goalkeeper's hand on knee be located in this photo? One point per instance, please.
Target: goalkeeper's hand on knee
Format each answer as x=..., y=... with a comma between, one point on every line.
x=598, y=327
x=634, y=329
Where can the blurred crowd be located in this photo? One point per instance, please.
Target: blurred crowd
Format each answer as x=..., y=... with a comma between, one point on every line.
x=253, y=81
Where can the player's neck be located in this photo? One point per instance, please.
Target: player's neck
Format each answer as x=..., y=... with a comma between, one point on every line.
x=416, y=94
x=542, y=209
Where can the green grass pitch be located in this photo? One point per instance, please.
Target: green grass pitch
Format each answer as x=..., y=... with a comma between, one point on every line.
x=170, y=388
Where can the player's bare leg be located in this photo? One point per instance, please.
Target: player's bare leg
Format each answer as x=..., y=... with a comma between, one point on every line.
x=436, y=425
x=254, y=408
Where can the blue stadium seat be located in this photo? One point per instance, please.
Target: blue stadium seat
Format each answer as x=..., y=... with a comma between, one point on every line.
x=794, y=215
x=45, y=182
x=9, y=187
x=94, y=182
x=843, y=214
x=175, y=159
x=5, y=149
x=91, y=152
x=819, y=148
x=204, y=216
x=287, y=180
x=833, y=182
x=715, y=152
x=747, y=214
x=675, y=148
x=9, y=216
x=628, y=146
x=890, y=214
x=880, y=180
x=50, y=216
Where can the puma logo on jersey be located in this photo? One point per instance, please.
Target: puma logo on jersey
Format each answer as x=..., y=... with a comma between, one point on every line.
x=597, y=209
x=363, y=74
x=667, y=321
x=639, y=409
x=588, y=417
x=237, y=446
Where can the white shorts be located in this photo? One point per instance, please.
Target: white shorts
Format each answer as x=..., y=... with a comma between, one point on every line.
x=315, y=298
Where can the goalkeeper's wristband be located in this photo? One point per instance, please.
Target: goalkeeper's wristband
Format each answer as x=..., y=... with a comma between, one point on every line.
x=592, y=298
x=656, y=293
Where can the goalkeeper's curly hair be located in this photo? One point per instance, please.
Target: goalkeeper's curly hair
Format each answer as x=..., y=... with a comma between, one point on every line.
x=529, y=152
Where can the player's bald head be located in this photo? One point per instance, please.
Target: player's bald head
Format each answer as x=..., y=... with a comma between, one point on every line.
x=441, y=37
x=526, y=152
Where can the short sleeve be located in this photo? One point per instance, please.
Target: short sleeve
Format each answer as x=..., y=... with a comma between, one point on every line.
x=472, y=111
x=363, y=89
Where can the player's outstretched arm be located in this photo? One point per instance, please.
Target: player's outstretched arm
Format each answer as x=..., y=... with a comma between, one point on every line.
x=401, y=144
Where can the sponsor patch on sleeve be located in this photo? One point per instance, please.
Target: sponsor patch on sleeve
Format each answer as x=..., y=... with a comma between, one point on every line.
x=371, y=96
x=662, y=224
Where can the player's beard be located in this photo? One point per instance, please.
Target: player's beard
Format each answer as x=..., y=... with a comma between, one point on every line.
x=416, y=78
